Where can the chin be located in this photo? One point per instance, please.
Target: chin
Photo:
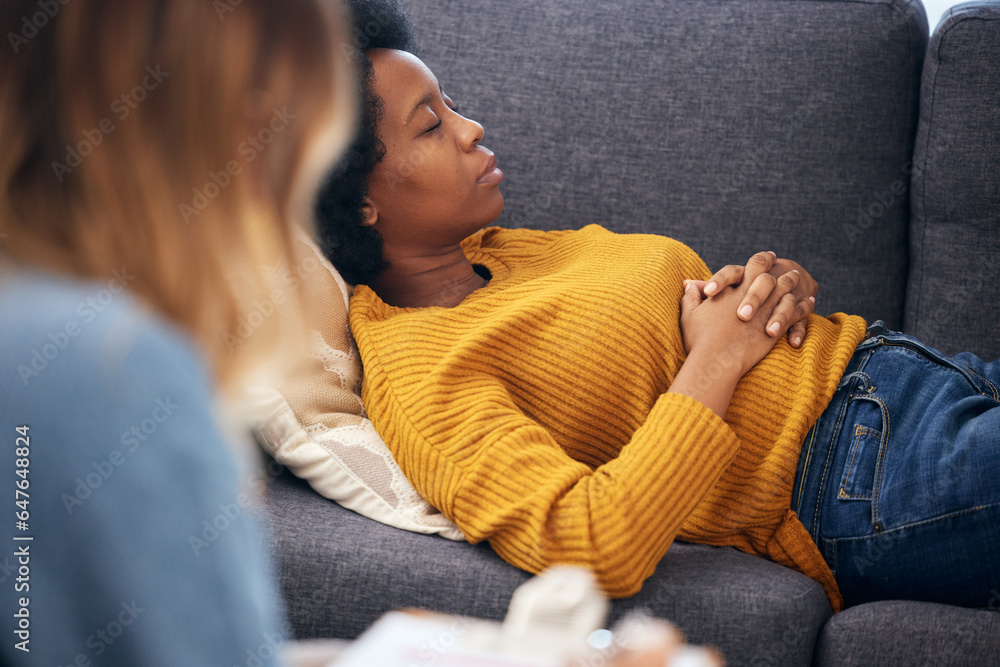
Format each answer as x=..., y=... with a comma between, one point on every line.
x=487, y=212
x=499, y=207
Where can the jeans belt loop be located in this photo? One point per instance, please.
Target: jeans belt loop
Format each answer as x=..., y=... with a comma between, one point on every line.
x=877, y=328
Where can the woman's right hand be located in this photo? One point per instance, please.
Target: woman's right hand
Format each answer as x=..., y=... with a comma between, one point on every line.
x=711, y=328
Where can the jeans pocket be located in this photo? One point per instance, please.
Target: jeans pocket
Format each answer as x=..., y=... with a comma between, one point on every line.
x=864, y=454
x=858, y=480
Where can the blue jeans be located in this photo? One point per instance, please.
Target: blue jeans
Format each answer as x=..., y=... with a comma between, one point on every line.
x=899, y=480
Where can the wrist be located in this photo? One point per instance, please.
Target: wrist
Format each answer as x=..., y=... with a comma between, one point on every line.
x=722, y=365
x=708, y=379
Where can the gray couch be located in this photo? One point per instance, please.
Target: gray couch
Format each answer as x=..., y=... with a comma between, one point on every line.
x=830, y=131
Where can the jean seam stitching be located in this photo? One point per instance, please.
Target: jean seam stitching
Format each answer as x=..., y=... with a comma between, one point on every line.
x=917, y=524
x=868, y=378
x=936, y=358
x=996, y=396
x=829, y=552
x=826, y=464
x=805, y=468
x=880, y=462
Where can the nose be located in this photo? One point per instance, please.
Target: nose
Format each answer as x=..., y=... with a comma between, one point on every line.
x=472, y=133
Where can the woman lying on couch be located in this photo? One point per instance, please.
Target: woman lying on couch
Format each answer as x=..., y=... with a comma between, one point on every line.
x=586, y=397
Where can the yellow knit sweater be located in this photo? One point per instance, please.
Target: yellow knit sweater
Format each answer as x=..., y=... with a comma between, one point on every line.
x=535, y=413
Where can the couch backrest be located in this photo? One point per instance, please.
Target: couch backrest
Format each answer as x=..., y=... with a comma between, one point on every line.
x=732, y=125
x=953, y=299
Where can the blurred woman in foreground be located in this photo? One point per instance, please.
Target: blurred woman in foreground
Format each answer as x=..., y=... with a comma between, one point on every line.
x=155, y=156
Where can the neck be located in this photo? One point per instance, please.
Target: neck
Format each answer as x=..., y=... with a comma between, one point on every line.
x=441, y=279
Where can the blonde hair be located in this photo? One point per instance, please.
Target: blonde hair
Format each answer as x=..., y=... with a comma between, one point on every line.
x=177, y=140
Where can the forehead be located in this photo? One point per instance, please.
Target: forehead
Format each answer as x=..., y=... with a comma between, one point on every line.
x=400, y=79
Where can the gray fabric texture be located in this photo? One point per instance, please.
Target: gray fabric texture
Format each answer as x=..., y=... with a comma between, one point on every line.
x=910, y=633
x=341, y=571
x=733, y=126
x=955, y=232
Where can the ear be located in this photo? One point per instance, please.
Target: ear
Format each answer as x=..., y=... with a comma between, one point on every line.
x=369, y=214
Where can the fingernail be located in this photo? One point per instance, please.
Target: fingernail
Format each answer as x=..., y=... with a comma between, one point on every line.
x=795, y=271
x=746, y=311
x=813, y=299
x=796, y=341
x=710, y=288
x=775, y=328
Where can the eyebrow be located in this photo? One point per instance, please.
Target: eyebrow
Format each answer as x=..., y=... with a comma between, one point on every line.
x=425, y=100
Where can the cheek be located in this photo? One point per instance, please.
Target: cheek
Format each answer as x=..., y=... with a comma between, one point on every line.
x=422, y=176
x=396, y=175
x=415, y=166
x=427, y=175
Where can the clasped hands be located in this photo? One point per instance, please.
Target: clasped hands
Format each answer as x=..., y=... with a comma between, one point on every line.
x=745, y=309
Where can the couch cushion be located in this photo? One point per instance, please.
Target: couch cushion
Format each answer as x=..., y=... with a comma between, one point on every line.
x=733, y=125
x=955, y=234
x=314, y=423
x=910, y=633
x=340, y=571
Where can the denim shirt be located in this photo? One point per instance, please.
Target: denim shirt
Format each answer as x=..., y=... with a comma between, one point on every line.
x=126, y=536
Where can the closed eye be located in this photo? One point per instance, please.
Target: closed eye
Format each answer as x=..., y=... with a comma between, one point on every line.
x=448, y=103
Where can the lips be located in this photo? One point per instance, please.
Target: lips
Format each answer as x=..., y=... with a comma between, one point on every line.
x=491, y=175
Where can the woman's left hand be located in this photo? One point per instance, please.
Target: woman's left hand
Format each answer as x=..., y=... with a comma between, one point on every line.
x=804, y=305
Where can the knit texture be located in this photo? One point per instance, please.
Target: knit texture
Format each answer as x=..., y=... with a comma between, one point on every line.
x=535, y=414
